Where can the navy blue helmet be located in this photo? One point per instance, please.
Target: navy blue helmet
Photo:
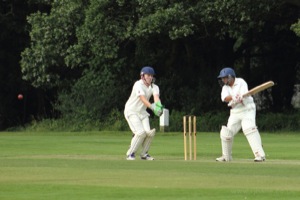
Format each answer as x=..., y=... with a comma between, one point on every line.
x=147, y=70
x=226, y=72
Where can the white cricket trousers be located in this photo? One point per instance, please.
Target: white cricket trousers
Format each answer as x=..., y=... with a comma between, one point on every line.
x=138, y=124
x=245, y=119
x=140, y=127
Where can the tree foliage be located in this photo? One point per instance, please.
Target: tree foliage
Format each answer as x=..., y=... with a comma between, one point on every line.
x=43, y=64
x=91, y=51
x=296, y=28
x=13, y=38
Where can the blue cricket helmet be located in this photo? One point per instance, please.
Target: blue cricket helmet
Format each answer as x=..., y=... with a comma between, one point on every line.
x=147, y=70
x=225, y=72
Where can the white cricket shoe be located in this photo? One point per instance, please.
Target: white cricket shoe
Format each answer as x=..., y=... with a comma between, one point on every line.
x=147, y=157
x=223, y=159
x=259, y=159
x=131, y=157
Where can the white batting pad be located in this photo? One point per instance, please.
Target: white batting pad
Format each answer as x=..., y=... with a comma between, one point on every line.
x=136, y=142
x=226, y=141
x=255, y=143
x=146, y=145
x=225, y=133
x=151, y=133
x=147, y=142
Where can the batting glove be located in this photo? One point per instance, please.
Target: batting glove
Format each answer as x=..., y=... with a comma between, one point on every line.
x=158, y=104
x=153, y=106
x=158, y=112
x=157, y=108
x=237, y=99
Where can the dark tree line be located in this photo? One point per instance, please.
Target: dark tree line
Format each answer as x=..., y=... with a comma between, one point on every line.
x=79, y=59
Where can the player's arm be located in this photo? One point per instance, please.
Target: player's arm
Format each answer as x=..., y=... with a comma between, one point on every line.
x=156, y=98
x=228, y=99
x=145, y=101
x=155, y=107
x=232, y=100
x=225, y=95
x=156, y=95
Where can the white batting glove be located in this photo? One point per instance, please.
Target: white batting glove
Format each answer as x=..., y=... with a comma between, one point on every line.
x=238, y=98
x=235, y=100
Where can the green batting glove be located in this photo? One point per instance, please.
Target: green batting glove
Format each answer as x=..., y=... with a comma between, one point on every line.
x=158, y=111
x=153, y=106
x=157, y=108
x=158, y=104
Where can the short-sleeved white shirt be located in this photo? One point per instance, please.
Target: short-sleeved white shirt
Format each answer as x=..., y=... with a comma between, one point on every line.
x=239, y=87
x=134, y=105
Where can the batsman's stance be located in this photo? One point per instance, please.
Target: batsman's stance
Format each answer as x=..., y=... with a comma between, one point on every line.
x=242, y=115
x=137, y=116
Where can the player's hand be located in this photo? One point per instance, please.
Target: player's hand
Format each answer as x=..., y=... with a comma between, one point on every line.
x=159, y=105
x=239, y=98
x=235, y=100
x=153, y=106
x=158, y=112
x=157, y=108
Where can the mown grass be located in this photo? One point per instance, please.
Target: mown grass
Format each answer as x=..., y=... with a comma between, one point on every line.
x=92, y=165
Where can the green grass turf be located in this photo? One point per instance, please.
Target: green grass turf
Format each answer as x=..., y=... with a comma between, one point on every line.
x=92, y=165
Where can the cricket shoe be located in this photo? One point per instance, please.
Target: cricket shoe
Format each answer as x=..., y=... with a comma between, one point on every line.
x=259, y=159
x=147, y=157
x=223, y=159
x=131, y=157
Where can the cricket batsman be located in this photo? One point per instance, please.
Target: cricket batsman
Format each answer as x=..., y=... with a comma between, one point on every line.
x=137, y=116
x=242, y=115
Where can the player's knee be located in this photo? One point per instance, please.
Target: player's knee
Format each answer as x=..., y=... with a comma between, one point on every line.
x=248, y=131
x=226, y=134
x=140, y=134
x=151, y=133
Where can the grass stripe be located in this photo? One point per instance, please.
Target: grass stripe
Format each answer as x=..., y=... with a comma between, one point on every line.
x=92, y=166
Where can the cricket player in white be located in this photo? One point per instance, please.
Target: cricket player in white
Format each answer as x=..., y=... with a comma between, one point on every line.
x=242, y=115
x=137, y=116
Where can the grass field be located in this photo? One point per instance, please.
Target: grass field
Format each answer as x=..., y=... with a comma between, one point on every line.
x=92, y=165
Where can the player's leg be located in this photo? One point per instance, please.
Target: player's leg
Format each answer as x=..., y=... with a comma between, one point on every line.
x=148, y=140
x=251, y=132
x=146, y=145
x=137, y=128
x=227, y=134
x=226, y=141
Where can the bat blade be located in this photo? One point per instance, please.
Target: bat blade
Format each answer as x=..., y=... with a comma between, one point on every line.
x=259, y=88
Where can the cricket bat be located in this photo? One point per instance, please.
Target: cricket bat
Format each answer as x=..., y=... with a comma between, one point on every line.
x=259, y=88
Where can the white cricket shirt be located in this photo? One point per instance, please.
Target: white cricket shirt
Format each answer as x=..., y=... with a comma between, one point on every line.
x=134, y=105
x=239, y=87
